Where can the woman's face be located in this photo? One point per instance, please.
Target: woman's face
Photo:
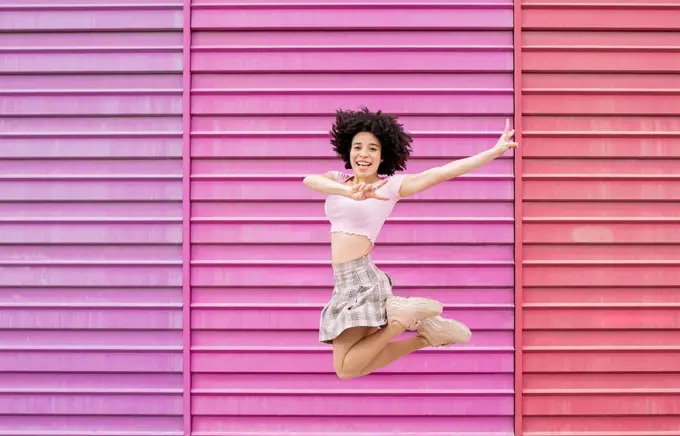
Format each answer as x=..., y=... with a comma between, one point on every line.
x=364, y=155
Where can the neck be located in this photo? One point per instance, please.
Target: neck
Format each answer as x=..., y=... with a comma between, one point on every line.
x=370, y=179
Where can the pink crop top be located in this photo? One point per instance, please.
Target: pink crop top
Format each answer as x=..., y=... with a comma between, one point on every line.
x=365, y=217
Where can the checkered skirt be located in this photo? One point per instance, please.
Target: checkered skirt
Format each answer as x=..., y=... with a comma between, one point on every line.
x=358, y=299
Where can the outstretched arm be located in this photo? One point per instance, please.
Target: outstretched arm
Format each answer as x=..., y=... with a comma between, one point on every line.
x=326, y=184
x=415, y=183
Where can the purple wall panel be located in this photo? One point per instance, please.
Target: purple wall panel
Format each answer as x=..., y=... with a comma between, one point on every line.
x=91, y=213
x=265, y=82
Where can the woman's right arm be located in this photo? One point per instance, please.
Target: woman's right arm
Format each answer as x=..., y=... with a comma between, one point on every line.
x=325, y=183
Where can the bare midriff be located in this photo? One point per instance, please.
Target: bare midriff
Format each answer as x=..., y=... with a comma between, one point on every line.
x=346, y=247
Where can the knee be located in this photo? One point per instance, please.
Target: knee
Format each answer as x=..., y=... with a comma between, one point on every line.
x=346, y=372
x=346, y=375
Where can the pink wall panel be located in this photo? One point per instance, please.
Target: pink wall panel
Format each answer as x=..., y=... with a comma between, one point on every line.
x=266, y=80
x=601, y=240
x=90, y=247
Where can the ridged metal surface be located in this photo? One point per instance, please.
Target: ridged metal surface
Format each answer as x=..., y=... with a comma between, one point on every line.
x=266, y=81
x=601, y=237
x=90, y=218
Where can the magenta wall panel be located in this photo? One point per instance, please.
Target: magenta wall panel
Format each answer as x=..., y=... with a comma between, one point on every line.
x=266, y=79
x=91, y=218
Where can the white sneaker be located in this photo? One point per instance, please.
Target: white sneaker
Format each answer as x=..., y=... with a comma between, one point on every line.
x=409, y=311
x=438, y=331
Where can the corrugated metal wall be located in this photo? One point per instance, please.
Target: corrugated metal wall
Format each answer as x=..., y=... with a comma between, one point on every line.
x=90, y=213
x=266, y=81
x=600, y=94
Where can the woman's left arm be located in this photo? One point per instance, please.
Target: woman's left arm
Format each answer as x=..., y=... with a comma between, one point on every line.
x=415, y=183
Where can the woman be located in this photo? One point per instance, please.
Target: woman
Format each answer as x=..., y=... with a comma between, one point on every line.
x=363, y=317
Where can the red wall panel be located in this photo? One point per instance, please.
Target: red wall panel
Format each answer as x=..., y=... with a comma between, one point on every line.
x=600, y=254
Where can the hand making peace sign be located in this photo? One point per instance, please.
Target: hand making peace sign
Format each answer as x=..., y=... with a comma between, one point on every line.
x=363, y=191
x=504, y=142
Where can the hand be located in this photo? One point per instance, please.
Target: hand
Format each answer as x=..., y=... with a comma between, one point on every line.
x=362, y=191
x=504, y=142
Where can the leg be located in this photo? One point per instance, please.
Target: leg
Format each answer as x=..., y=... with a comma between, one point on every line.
x=355, y=348
x=434, y=331
x=394, y=351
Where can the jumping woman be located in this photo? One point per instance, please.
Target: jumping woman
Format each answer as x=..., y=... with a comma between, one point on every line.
x=363, y=317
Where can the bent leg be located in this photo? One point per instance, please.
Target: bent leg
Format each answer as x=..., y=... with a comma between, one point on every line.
x=343, y=343
x=355, y=348
x=435, y=331
x=394, y=351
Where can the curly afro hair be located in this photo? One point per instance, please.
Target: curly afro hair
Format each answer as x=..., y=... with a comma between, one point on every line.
x=395, y=142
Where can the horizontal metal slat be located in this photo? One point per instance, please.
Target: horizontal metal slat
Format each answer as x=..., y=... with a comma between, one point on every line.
x=601, y=16
x=376, y=404
x=319, y=360
x=352, y=16
x=81, y=17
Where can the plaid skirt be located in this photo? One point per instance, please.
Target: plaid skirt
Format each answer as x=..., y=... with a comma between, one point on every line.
x=358, y=300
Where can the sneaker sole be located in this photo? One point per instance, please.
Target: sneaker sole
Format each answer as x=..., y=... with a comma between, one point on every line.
x=461, y=333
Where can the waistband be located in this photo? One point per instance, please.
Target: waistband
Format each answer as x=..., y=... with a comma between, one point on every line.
x=351, y=265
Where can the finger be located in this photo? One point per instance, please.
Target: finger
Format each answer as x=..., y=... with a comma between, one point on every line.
x=507, y=125
x=380, y=197
x=381, y=184
x=372, y=188
x=510, y=134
